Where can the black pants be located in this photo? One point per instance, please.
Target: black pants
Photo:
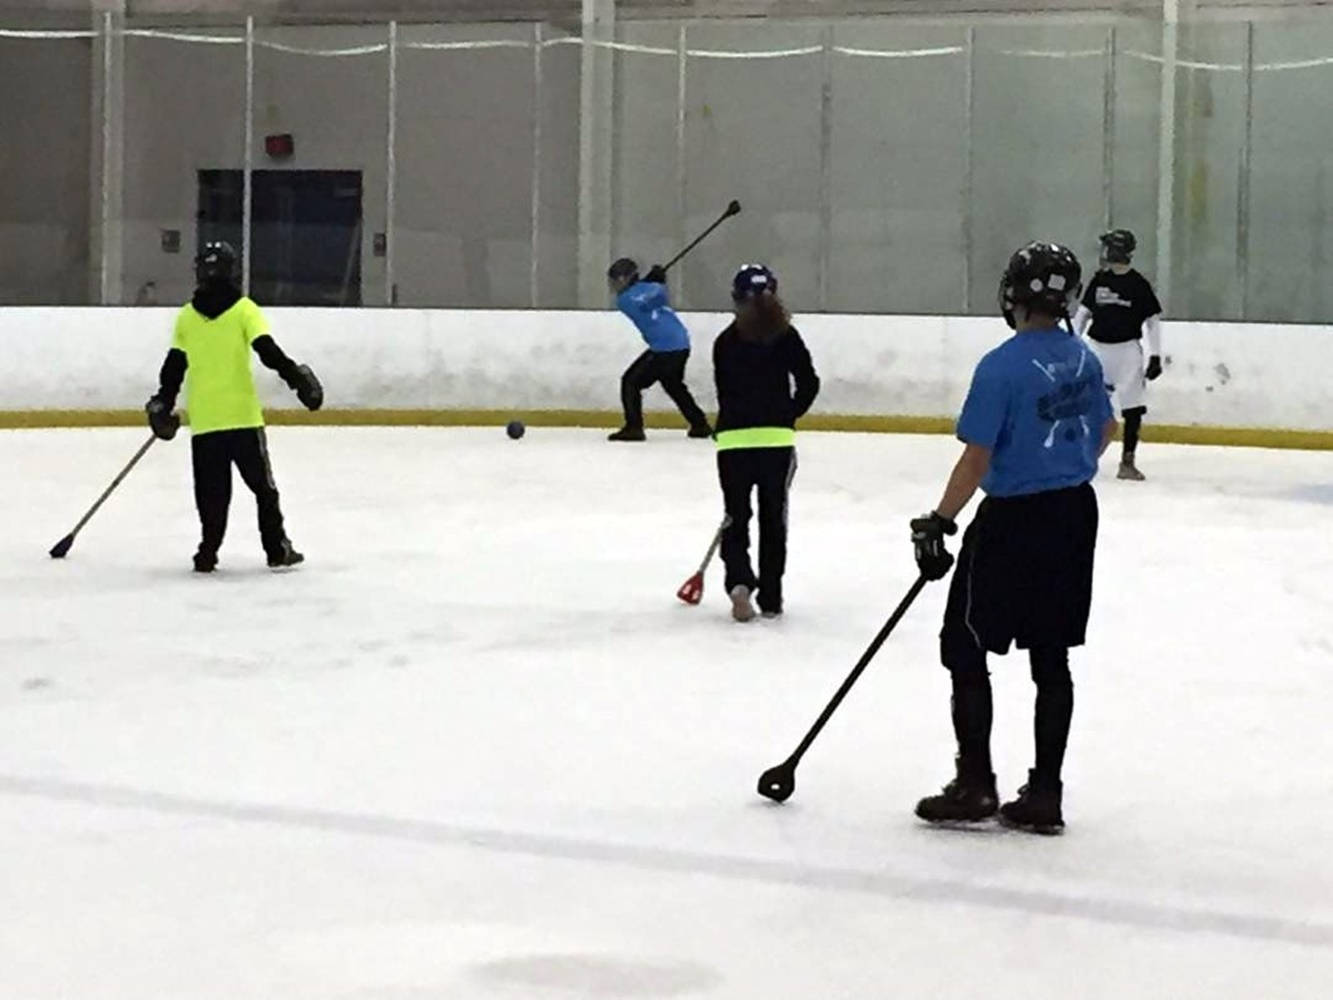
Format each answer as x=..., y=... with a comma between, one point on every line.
x=214, y=453
x=771, y=471
x=1024, y=575
x=668, y=368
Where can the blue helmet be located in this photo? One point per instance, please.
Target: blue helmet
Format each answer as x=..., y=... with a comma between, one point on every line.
x=752, y=281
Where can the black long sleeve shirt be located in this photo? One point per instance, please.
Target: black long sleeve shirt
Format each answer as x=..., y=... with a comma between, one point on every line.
x=755, y=380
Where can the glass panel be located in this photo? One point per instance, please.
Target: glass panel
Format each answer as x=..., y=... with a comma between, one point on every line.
x=1037, y=145
x=1210, y=135
x=558, y=206
x=898, y=171
x=184, y=113
x=647, y=223
x=463, y=219
x=1291, y=201
x=46, y=172
x=319, y=207
x=1135, y=149
x=753, y=133
x=753, y=130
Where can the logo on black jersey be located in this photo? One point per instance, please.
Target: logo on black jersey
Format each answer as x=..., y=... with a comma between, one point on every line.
x=1109, y=297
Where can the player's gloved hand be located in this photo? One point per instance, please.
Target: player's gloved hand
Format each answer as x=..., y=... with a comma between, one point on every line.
x=656, y=275
x=308, y=388
x=932, y=558
x=163, y=422
x=1154, y=368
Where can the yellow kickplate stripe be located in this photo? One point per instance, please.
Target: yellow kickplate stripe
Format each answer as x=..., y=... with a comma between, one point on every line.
x=1249, y=437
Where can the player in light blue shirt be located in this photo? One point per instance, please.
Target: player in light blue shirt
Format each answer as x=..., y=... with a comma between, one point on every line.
x=1036, y=420
x=647, y=303
x=1038, y=404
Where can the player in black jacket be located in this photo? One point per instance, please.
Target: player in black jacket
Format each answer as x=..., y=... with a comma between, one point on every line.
x=755, y=360
x=1122, y=309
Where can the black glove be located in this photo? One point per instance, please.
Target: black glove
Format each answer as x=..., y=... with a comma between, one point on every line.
x=928, y=533
x=164, y=423
x=1154, y=368
x=308, y=388
x=656, y=275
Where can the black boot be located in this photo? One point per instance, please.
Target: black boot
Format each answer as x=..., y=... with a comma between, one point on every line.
x=205, y=562
x=969, y=798
x=1037, y=808
x=284, y=557
x=700, y=431
x=628, y=434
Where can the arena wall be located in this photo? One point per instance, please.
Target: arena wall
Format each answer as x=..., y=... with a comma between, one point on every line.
x=1225, y=383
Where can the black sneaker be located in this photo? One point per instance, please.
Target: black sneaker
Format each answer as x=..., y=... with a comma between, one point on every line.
x=1037, y=808
x=702, y=431
x=628, y=434
x=205, y=562
x=969, y=798
x=284, y=557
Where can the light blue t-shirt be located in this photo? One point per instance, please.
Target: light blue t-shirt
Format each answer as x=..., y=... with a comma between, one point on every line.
x=1039, y=403
x=647, y=305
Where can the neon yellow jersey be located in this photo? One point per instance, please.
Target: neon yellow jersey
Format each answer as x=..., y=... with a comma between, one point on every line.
x=219, y=383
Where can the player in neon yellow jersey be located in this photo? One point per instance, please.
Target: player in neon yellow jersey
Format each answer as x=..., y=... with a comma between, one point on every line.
x=210, y=353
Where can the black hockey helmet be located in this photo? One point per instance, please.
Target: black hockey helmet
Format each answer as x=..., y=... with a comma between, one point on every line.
x=215, y=263
x=624, y=271
x=752, y=281
x=1118, y=246
x=1042, y=276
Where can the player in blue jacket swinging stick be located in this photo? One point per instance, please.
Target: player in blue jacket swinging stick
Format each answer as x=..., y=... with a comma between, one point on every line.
x=647, y=304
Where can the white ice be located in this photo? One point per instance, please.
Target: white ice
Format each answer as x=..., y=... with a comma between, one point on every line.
x=475, y=748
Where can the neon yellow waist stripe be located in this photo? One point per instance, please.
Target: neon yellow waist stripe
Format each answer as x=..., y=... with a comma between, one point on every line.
x=756, y=437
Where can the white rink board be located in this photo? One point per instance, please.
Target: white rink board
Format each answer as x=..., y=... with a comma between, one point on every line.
x=1218, y=374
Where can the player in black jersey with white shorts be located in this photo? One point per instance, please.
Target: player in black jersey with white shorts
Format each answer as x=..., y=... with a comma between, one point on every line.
x=1122, y=309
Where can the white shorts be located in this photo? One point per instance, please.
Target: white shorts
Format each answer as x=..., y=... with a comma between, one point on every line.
x=1122, y=365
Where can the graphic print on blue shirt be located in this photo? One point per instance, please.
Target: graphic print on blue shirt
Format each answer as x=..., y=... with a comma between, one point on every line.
x=1039, y=403
x=1068, y=401
x=648, y=307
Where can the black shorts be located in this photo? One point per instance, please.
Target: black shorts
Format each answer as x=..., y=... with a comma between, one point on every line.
x=1024, y=575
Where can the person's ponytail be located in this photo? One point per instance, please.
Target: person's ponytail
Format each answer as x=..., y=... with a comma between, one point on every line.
x=764, y=318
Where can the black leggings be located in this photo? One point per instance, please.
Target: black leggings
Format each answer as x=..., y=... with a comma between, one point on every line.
x=768, y=472
x=1133, y=426
x=973, y=706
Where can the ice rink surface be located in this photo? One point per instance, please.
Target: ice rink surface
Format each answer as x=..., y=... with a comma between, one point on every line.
x=475, y=748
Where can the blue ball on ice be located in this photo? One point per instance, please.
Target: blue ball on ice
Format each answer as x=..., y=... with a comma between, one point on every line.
x=515, y=430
